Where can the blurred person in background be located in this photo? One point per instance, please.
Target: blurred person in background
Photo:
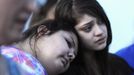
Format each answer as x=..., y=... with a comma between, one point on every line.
x=127, y=53
x=13, y=15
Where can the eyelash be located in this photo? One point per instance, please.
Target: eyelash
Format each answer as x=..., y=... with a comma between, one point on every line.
x=68, y=43
x=87, y=28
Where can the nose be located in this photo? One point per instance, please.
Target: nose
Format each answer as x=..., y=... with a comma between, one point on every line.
x=98, y=30
x=71, y=55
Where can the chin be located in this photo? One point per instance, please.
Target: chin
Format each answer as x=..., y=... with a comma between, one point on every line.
x=101, y=47
x=64, y=69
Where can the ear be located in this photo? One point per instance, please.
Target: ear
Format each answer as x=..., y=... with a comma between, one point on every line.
x=42, y=30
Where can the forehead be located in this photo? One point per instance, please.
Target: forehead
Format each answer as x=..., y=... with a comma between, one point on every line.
x=62, y=35
x=65, y=34
x=85, y=19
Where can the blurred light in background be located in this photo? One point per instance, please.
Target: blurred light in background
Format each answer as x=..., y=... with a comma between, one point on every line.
x=27, y=25
x=42, y=2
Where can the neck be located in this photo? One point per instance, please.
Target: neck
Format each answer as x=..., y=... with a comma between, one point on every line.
x=91, y=64
x=89, y=58
x=25, y=46
x=51, y=73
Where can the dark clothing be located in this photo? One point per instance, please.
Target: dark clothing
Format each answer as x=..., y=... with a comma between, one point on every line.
x=116, y=66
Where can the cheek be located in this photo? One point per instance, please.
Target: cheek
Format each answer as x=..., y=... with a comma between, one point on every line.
x=46, y=52
x=104, y=30
x=106, y=33
x=85, y=37
x=46, y=57
x=43, y=49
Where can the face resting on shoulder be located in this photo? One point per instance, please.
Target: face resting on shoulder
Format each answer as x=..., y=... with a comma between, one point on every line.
x=56, y=51
x=13, y=15
x=92, y=31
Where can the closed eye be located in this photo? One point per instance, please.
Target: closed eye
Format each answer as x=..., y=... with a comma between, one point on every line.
x=68, y=43
x=71, y=44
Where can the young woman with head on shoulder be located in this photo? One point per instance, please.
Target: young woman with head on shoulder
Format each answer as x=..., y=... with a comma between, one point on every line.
x=47, y=48
x=95, y=36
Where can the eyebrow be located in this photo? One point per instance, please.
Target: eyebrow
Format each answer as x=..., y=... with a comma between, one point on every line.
x=89, y=23
x=86, y=25
x=73, y=43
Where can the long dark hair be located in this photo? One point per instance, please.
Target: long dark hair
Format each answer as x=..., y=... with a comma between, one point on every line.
x=52, y=25
x=93, y=8
x=74, y=9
